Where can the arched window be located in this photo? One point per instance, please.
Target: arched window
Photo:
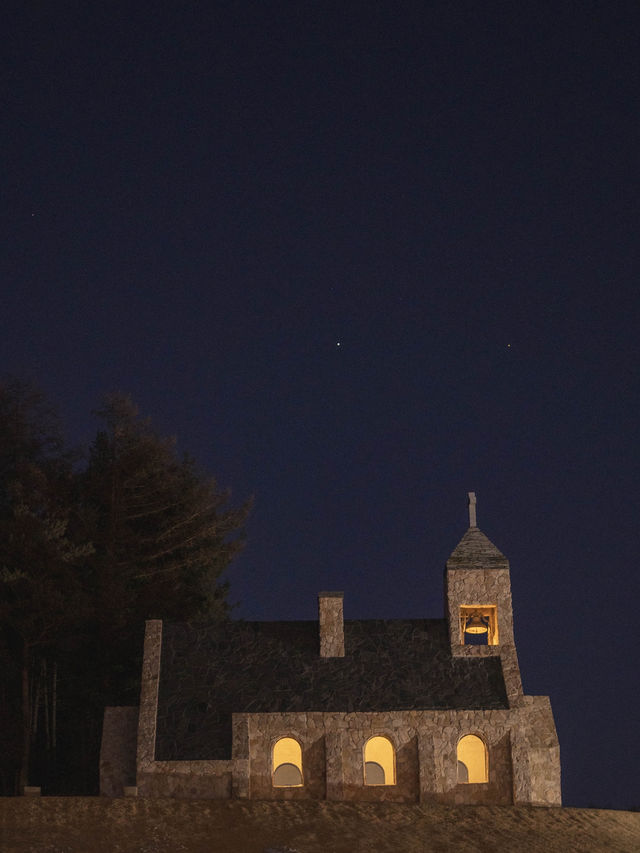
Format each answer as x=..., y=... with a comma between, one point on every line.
x=379, y=762
x=472, y=760
x=287, y=763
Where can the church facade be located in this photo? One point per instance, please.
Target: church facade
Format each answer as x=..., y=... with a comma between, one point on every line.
x=417, y=710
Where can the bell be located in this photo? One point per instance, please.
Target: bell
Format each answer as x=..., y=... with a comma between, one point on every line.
x=477, y=624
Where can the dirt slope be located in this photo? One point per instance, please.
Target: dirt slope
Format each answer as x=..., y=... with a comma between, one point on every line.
x=95, y=825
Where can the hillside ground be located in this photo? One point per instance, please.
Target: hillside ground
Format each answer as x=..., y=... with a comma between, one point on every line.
x=100, y=825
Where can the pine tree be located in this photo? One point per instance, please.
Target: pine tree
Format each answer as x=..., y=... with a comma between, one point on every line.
x=163, y=534
x=86, y=555
x=43, y=599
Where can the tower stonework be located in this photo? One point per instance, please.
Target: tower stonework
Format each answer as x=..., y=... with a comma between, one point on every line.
x=477, y=580
x=478, y=586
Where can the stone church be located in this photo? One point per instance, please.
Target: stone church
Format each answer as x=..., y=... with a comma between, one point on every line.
x=401, y=710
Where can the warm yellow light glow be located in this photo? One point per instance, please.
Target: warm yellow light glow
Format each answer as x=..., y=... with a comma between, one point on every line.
x=479, y=619
x=476, y=625
x=378, y=753
x=287, y=763
x=473, y=754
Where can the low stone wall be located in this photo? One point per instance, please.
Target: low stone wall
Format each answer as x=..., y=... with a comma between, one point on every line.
x=118, y=750
x=188, y=779
x=523, y=758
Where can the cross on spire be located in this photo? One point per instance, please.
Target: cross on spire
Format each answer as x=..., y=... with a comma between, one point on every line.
x=472, y=509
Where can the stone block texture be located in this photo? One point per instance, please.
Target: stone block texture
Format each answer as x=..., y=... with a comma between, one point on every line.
x=331, y=624
x=118, y=750
x=215, y=698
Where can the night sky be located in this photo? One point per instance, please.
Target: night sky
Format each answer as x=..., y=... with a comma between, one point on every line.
x=360, y=258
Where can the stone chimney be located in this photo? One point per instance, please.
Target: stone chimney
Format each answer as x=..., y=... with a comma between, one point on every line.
x=331, y=622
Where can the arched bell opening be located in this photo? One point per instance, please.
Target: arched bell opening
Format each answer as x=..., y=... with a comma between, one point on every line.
x=479, y=625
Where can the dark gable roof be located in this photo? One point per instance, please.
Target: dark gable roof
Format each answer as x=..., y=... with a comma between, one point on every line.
x=210, y=671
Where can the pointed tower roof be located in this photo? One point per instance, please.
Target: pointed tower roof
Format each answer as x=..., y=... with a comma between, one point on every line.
x=475, y=550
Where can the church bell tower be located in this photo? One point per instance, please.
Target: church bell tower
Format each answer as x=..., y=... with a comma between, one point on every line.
x=478, y=604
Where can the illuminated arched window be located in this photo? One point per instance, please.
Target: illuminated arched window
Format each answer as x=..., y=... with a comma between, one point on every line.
x=472, y=760
x=287, y=763
x=379, y=762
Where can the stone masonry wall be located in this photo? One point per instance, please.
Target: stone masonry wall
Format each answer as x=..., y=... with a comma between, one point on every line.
x=146, y=746
x=331, y=624
x=522, y=750
x=485, y=586
x=200, y=779
x=536, y=755
x=208, y=780
x=425, y=744
x=118, y=750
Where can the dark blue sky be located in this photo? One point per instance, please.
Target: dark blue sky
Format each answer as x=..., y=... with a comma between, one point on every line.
x=201, y=201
